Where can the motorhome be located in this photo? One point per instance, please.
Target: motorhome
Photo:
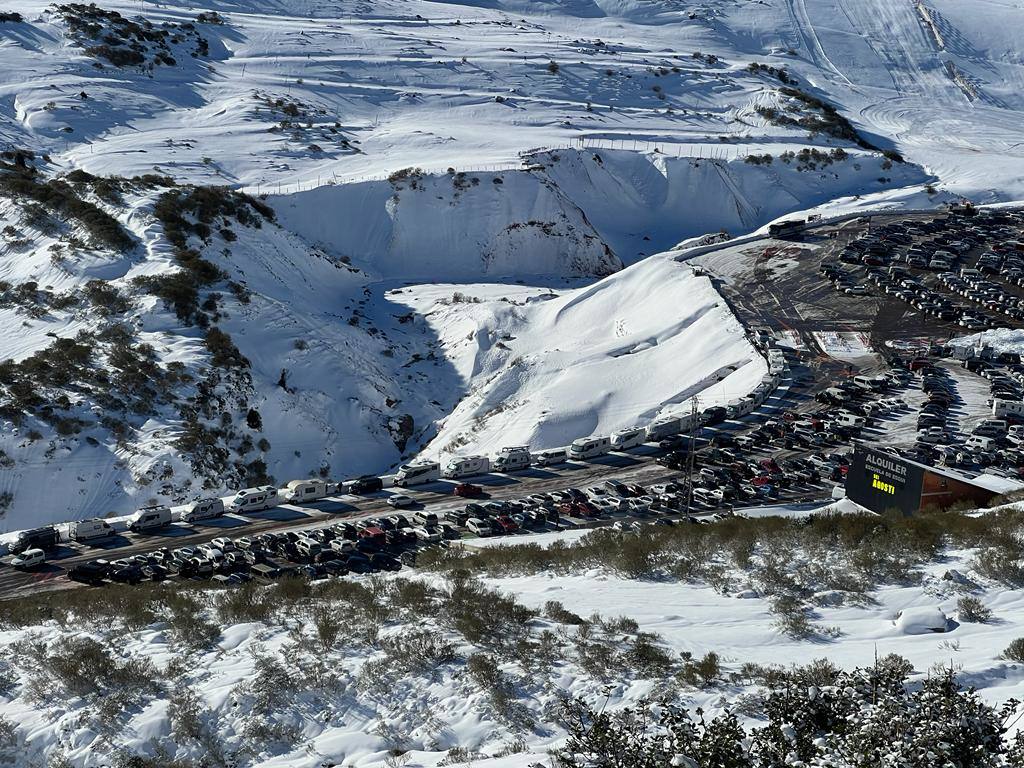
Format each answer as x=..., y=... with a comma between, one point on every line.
x=628, y=438
x=589, y=447
x=254, y=499
x=88, y=530
x=664, y=427
x=150, y=518
x=1007, y=408
x=467, y=466
x=307, y=490
x=202, y=509
x=511, y=459
x=417, y=474
x=549, y=456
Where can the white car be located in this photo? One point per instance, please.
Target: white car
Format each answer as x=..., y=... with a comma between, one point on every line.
x=423, y=534
x=30, y=558
x=400, y=500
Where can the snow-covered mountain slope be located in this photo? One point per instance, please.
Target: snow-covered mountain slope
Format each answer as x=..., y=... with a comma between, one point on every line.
x=418, y=141
x=543, y=369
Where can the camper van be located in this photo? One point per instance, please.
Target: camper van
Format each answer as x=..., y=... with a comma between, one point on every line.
x=254, y=499
x=466, y=466
x=549, y=456
x=662, y=428
x=628, y=438
x=589, y=447
x=511, y=459
x=149, y=518
x=202, y=509
x=1011, y=408
x=307, y=490
x=416, y=474
x=87, y=530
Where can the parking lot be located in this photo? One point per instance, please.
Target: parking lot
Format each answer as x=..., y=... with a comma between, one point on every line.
x=860, y=365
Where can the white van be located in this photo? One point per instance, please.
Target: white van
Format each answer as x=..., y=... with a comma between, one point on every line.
x=589, y=447
x=511, y=459
x=847, y=419
x=30, y=558
x=628, y=438
x=478, y=526
x=990, y=428
x=467, y=466
x=202, y=509
x=549, y=456
x=662, y=428
x=979, y=443
x=87, y=530
x=308, y=490
x=866, y=383
x=254, y=499
x=149, y=518
x=416, y=474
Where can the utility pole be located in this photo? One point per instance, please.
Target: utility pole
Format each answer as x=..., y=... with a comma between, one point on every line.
x=691, y=451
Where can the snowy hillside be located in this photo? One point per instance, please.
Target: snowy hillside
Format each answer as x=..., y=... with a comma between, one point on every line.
x=440, y=669
x=505, y=148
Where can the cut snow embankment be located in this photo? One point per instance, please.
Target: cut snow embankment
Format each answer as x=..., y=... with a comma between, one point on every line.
x=544, y=368
x=580, y=211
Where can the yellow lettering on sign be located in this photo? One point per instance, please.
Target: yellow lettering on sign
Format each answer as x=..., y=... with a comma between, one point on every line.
x=884, y=487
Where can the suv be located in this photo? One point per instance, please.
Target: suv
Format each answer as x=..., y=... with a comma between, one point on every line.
x=366, y=484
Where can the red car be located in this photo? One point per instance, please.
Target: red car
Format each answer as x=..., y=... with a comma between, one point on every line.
x=469, y=490
x=506, y=524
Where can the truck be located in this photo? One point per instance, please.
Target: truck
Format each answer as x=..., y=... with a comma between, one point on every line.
x=512, y=458
x=628, y=438
x=36, y=538
x=466, y=466
x=89, y=530
x=417, y=474
x=790, y=229
x=307, y=490
x=589, y=447
x=149, y=518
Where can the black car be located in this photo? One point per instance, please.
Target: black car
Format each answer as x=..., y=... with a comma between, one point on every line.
x=129, y=574
x=89, y=573
x=366, y=484
x=384, y=562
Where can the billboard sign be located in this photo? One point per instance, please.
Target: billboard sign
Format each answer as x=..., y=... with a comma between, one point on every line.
x=883, y=482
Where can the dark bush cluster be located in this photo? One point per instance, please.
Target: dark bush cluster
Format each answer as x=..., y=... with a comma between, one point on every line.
x=196, y=212
x=58, y=197
x=123, y=42
x=816, y=116
x=867, y=717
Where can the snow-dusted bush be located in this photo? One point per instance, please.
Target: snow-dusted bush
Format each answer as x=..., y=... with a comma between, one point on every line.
x=868, y=717
x=971, y=609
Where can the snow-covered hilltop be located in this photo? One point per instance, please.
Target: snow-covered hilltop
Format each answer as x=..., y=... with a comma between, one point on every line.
x=165, y=339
